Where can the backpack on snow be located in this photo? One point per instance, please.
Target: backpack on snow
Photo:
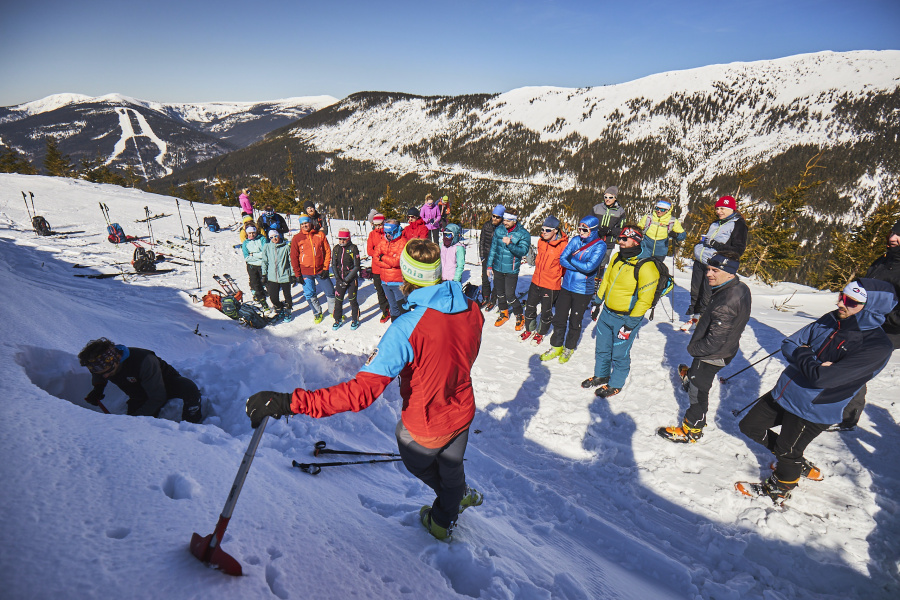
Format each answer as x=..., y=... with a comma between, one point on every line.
x=144, y=261
x=211, y=223
x=251, y=316
x=41, y=226
x=664, y=284
x=213, y=299
x=231, y=306
x=115, y=234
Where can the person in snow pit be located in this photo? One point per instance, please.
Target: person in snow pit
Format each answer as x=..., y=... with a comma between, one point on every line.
x=435, y=384
x=148, y=380
x=829, y=361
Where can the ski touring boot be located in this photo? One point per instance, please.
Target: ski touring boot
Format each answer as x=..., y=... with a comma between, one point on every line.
x=337, y=325
x=536, y=339
x=319, y=318
x=441, y=533
x=566, y=355
x=681, y=435
x=354, y=325
x=809, y=470
x=502, y=318
x=593, y=382
x=520, y=323
x=553, y=352
x=472, y=498
x=604, y=391
x=777, y=491
x=286, y=316
x=385, y=318
x=525, y=335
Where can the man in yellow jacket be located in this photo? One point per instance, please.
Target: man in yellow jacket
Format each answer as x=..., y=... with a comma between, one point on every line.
x=659, y=227
x=625, y=296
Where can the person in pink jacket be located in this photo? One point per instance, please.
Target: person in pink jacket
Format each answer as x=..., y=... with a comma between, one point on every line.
x=431, y=214
x=244, y=200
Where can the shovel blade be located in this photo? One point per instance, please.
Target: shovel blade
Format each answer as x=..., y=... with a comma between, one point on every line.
x=215, y=558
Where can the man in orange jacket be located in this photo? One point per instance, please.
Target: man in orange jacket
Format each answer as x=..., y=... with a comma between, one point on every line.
x=546, y=281
x=310, y=259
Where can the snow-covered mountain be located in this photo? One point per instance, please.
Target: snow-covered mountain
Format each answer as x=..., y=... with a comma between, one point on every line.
x=154, y=137
x=583, y=501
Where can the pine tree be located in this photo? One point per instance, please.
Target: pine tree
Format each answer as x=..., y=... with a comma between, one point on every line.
x=855, y=248
x=772, y=247
x=56, y=163
x=225, y=192
x=12, y=161
x=96, y=171
x=389, y=205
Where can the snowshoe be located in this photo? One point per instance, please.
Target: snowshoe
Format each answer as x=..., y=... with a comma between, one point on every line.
x=774, y=489
x=594, y=382
x=525, y=335
x=604, y=391
x=553, y=352
x=681, y=435
x=441, y=533
x=566, y=355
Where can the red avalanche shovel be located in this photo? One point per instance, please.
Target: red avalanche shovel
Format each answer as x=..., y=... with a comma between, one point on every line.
x=208, y=549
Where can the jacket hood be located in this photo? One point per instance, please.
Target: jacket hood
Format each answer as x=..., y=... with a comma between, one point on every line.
x=446, y=297
x=592, y=222
x=456, y=231
x=881, y=300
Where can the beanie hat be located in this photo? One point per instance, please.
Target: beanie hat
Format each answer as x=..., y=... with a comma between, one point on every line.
x=250, y=229
x=412, y=213
x=309, y=204
x=378, y=218
x=663, y=203
x=551, y=222
x=343, y=233
x=729, y=265
x=304, y=219
x=274, y=233
x=856, y=291
x=612, y=191
x=632, y=231
x=498, y=210
x=419, y=273
x=247, y=218
x=727, y=202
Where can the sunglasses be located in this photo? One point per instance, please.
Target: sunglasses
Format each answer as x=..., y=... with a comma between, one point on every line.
x=496, y=217
x=660, y=209
x=609, y=197
x=547, y=230
x=848, y=301
x=584, y=230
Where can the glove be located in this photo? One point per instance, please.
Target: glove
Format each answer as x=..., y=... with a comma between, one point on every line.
x=268, y=404
x=624, y=333
x=595, y=312
x=703, y=240
x=673, y=235
x=264, y=280
x=95, y=396
x=714, y=244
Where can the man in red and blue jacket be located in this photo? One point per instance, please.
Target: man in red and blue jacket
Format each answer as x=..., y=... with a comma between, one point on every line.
x=829, y=361
x=431, y=349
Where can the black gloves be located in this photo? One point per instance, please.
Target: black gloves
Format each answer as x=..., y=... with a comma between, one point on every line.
x=94, y=397
x=264, y=280
x=714, y=244
x=268, y=404
x=595, y=312
x=673, y=235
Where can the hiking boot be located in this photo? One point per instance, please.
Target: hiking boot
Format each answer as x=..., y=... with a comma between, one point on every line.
x=354, y=325
x=520, y=323
x=319, y=318
x=537, y=339
x=441, y=533
x=192, y=414
x=681, y=435
x=385, y=318
x=472, y=498
x=566, y=355
x=683, y=373
x=777, y=490
x=502, y=318
x=286, y=316
x=604, y=391
x=594, y=382
x=488, y=306
x=553, y=352
x=808, y=470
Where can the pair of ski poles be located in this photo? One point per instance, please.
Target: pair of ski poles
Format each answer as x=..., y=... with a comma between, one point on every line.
x=724, y=380
x=320, y=448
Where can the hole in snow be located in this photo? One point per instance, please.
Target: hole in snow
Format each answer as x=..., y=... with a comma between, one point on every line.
x=178, y=487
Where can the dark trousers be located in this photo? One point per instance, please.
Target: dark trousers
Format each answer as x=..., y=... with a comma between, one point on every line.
x=254, y=273
x=605, y=261
x=787, y=446
x=349, y=291
x=435, y=236
x=700, y=379
x=487, y=295
x=441, y=469
x=273, y=288
x=505, y=290
x=382, y=299
x=544, y=297
x=570, y=307
x=176, y=387
x=700, y=290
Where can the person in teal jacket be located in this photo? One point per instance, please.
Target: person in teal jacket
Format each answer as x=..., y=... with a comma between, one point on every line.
x=253, y=248
x=510, y=244
x=276, y=266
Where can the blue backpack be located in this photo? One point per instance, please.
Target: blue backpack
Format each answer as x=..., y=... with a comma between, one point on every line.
x=115, y=234
x=211, y=223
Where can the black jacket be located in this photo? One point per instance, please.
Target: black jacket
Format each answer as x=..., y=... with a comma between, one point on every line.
x=144, y=377
x=319, y=223
x=345, y=263
x=264, y=223
x=737, y=243
x=887, y=268
x=487, y=236
x=719, y=330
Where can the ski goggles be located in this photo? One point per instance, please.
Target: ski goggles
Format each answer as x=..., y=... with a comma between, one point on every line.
x=631, y=233
x=848, y=301
x=104, y=363
x=550, y=230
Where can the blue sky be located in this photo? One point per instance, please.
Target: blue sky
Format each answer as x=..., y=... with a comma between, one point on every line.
x=194, y=51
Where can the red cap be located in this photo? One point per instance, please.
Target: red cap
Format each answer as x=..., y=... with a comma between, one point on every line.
x=378, y=218
x=344, y=234
x=727, y=202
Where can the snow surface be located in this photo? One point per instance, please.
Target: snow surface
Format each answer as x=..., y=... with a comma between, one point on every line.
x=582, y=499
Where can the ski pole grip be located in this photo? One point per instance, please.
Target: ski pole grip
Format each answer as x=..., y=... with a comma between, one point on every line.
x=319, y=447
x=307, y=468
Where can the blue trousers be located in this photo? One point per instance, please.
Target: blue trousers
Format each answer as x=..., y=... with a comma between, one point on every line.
x=395, y=298
x=309, y=291
x=612, y=356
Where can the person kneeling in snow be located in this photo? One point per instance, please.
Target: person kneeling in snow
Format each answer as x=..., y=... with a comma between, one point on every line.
x=435, y=384
x=148, y=380
x=828, y=363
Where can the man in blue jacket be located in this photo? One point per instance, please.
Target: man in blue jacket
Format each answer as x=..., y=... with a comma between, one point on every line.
x=828, y=362
x=510, y=244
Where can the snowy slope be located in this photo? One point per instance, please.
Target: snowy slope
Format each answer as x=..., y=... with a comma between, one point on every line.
x=582, y=499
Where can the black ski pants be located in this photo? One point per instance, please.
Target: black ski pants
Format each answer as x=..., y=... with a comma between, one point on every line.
x=382, y=298
x=787, y=446
x=441, y=469
x=349, y=291
x=255, y=274
x=487, y=293
x=285, y=288
x=544, y=297
x=567, y=320
x=700, y=380
x=176, y=387
x=700, y=290
x=505, y=290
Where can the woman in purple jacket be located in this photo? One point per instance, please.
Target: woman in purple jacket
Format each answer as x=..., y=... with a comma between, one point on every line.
x=431, y=214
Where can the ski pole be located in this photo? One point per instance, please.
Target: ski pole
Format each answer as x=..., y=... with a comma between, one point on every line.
x=178, y=206
x=321, y=449
x=200, y=254
x=194, y=258
x=738, y=412
x=315, y=468
x=33, y=209
x=208, y=548
x=191, y=202
x=26, y=206
x=725, y=379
